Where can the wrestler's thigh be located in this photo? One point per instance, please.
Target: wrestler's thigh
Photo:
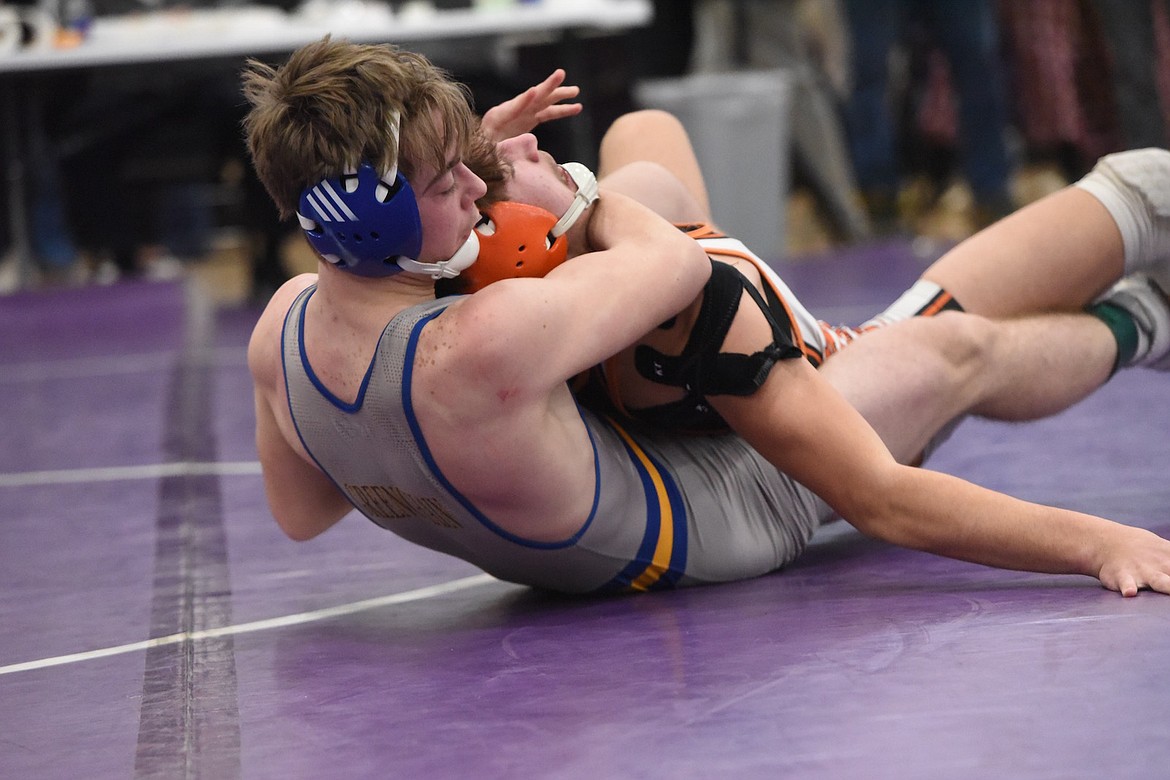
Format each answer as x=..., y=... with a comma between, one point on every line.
x=1056, y=254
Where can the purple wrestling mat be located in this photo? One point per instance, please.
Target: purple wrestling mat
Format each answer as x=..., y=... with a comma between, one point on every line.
x=154, y=622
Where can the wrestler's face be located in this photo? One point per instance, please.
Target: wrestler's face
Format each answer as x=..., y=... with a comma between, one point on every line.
x=446, y=205
x=535, y=178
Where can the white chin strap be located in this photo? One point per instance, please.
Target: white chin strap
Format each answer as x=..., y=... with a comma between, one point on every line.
x=586, y=193
x=446, y=269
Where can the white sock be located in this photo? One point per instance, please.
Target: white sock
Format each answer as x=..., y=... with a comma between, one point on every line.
x=909, y=304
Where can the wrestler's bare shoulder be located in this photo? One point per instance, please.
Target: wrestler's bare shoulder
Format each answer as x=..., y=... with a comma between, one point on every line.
x=263, y=347
x=282, y=299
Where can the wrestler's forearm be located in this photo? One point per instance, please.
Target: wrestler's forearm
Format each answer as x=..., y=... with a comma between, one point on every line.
x=948, y=516
x=945, y=515
x=647, y=252
x=807, y=430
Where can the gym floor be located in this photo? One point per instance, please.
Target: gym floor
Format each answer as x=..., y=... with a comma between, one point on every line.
x=154, y=622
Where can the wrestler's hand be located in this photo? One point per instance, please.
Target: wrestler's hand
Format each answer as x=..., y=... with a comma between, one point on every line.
x=1136, y=559
x=541, y=103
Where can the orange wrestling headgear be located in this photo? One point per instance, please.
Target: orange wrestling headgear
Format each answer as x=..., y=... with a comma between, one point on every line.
x=515, y=240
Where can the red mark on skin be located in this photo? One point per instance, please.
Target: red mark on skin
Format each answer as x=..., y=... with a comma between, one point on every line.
x=505, y=394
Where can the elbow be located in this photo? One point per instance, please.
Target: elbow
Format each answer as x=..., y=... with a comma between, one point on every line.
x=881, y=525
x=298, y=533
x=694, y=270
x=300, y=527
x=870, y=521
x=698, y=261
x=879, y=514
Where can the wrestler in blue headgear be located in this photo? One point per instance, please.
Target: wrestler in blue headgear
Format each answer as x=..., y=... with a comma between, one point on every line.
x=367, y=223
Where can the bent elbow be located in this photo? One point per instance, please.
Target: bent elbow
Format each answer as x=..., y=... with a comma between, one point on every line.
x=302, y=527
x=881, y=514
x=691, y=265
x=881, y=526
x=699, y=262
x=299, y=533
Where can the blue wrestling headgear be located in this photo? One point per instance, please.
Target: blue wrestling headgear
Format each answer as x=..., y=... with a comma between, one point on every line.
x=362, y=222
x=368, y=224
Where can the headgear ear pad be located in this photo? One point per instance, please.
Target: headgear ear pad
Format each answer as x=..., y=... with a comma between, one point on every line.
x=514, y=241
x=362, y=223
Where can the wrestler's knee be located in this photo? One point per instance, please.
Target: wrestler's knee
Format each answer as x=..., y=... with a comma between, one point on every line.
x=1146, y=172
x=641, y=124
x=963, y=345
x=1134, y=186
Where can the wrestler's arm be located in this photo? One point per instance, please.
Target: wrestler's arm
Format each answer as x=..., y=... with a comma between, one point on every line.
x=804, y=427
x=589, y=307
x=303, y=501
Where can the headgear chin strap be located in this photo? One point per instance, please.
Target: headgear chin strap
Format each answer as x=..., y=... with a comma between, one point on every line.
x=463, y=258
x=585, y=196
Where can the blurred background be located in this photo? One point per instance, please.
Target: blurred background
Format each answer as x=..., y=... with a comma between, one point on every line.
x=821, y=124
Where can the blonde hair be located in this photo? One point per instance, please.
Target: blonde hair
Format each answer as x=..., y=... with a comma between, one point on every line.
x=334, y=104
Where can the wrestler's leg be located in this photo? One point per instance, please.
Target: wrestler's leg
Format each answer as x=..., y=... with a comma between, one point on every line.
x=1066, y=249
x=1056, y=254
x=648, y=156
x=912, y=378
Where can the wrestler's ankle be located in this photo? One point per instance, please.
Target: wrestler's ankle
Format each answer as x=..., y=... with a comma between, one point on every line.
x=1137, y=312
x=923, y=299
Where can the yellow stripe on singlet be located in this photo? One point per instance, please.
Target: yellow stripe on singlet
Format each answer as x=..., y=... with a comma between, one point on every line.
x=664, y=546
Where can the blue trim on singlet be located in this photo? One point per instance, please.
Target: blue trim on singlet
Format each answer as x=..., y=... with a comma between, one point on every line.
x=412, y=421
x=321, y=388
x=664, y=518
x=306, y=294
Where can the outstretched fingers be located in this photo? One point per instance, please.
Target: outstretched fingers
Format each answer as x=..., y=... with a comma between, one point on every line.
x=544, y=102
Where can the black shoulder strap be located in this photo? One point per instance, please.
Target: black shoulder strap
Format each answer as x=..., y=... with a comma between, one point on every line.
x=701, y=369
x=720, y=302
